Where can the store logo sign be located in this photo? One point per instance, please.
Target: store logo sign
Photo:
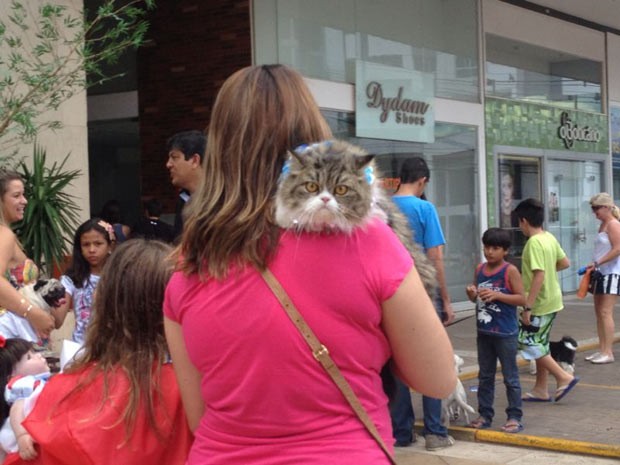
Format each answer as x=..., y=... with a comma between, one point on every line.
x=406, y=111
x=394, y=103
x=570, y=132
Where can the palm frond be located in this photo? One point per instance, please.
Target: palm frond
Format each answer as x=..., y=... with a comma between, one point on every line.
x=52, y=214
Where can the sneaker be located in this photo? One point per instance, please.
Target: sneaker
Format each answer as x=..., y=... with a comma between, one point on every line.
x=591, y=356
x=434, y=442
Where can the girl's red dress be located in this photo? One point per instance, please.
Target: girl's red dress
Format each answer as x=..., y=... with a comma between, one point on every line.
x=82, y=431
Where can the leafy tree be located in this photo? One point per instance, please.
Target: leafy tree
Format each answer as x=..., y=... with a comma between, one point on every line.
x=49, y=52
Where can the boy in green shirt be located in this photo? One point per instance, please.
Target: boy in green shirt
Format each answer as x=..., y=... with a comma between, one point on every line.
x=542, y=258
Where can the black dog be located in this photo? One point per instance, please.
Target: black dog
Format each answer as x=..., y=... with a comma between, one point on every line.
x=563, y=352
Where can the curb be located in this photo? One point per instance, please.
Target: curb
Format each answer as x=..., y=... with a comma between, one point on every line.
x=538, y=442
x=522, y=440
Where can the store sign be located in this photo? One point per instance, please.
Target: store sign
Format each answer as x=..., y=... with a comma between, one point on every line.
x=394, y=103
x=570, y=132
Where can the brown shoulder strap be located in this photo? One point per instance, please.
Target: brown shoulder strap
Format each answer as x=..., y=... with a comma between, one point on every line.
x=321, y=353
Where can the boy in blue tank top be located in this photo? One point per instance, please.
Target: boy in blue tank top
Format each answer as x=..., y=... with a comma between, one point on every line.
x=497, y=291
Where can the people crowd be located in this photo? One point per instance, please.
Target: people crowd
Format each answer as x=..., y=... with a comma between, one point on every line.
x=187, y=354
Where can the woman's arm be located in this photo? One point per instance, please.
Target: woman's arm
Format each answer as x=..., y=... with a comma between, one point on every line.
x=421, y=349
x=41, y=321
x=188, y=377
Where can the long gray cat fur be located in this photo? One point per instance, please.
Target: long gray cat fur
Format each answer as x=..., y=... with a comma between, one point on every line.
x=334, y=186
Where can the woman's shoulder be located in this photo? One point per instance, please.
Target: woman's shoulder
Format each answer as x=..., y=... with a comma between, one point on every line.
x=6, y=230
x=613, y=226
x=8, y=239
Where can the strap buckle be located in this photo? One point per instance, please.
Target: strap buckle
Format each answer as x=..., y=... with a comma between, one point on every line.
x=321, y=352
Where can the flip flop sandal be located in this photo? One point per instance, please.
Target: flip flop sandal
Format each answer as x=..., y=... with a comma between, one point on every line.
x=529, y=397
x=480, y=423
x=562, y=391
x=512, y=427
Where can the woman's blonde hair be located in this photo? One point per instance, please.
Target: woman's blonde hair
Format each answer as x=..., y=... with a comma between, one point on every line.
x=603, y=199
x=126, y=334
x=260, y=113
x=6, y=176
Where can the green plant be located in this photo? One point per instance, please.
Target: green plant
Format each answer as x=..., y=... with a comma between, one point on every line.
x=51, y=215
x=50, y=51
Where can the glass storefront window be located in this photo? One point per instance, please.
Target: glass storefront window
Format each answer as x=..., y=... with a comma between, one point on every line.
x=453, y=187
x=323, y=39
x=614, y=116
x=519, y=71
x=570, y=185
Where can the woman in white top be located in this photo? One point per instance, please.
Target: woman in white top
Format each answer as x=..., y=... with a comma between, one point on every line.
x=607, y=287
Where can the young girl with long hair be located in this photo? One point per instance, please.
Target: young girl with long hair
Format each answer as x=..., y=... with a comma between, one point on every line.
x=119, y=401
x=92, y=245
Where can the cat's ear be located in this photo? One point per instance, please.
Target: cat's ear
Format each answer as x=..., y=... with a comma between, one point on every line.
x=298, y=156
x=363, y=160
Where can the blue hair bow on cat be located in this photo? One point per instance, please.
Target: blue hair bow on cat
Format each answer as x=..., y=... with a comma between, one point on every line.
x=300, y=149
x=369, y=174
x=286, y=168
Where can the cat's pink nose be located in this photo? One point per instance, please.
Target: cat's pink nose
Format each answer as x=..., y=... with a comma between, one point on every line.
x=325, y=198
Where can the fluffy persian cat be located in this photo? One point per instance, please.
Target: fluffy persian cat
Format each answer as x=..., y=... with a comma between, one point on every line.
x=332, y=186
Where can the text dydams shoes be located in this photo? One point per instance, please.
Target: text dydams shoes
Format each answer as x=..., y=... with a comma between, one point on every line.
x=434, y=442
x=600, y=359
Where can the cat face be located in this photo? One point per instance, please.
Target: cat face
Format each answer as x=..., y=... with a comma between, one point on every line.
x=326, y=186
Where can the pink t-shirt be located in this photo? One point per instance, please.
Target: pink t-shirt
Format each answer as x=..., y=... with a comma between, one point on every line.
x=268, y=401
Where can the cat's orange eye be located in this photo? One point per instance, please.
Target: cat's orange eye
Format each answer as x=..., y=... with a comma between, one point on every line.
x=341, y=190
x=312, y=187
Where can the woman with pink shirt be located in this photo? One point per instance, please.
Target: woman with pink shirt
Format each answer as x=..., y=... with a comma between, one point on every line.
x=252, y=390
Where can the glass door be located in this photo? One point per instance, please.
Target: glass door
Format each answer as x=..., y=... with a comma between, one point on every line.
x=570, y=185
x=519, y=179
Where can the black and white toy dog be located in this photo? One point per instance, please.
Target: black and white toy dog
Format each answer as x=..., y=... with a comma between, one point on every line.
x=563, y=352
x=45, y=294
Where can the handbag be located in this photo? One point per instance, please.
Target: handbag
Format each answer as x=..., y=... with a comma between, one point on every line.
x=321, y=354
x=595, y=276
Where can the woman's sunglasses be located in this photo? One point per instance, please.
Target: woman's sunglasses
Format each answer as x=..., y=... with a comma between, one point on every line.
x=597, y=207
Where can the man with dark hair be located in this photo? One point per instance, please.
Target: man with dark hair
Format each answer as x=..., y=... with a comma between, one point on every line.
x=186, y=150
x=424, y=222
x=150, y=226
